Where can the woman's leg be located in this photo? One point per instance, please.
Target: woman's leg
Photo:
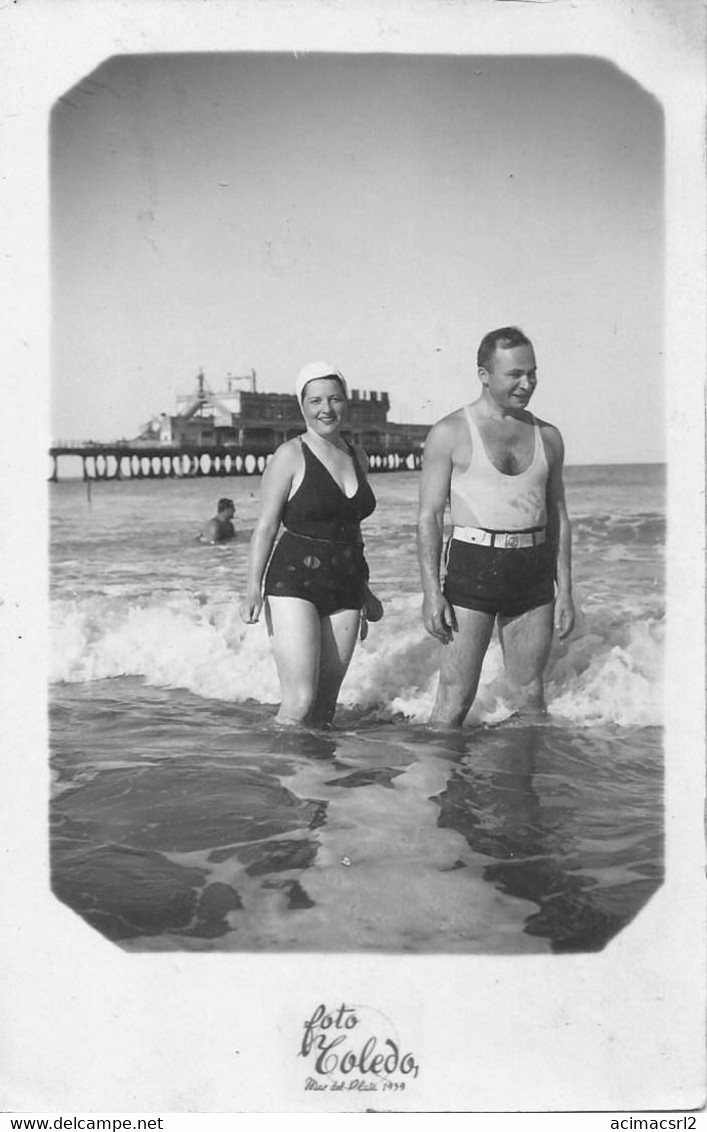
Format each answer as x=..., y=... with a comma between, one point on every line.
x=295, y=637
x=339, y=633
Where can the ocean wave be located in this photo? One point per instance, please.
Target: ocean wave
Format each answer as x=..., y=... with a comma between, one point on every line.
x=646, y=530
x=609, y=672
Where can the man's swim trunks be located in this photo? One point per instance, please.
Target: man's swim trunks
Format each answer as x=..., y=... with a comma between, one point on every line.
x=501, y=581
x=332, y=575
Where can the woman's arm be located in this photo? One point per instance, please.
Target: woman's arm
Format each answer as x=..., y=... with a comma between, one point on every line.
x=275, y=489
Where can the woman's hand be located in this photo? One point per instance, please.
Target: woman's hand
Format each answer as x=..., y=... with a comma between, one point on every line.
x=250, y=608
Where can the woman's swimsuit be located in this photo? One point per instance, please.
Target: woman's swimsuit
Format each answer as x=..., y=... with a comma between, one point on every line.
x=319, y=557
x=501, y=581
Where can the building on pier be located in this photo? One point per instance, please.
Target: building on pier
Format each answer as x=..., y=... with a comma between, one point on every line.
x=240, y=416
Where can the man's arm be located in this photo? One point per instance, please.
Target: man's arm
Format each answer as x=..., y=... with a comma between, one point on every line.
x=437, y=613
x=210, y=531
x=560, y=535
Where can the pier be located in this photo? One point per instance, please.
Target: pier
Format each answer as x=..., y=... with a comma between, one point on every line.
x=234, y=432
x=122, y=460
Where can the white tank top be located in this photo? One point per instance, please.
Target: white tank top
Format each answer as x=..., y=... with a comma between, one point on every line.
x=497, y=501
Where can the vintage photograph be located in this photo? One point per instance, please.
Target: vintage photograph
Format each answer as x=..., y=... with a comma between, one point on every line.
x=300, y=308
x=352, y=623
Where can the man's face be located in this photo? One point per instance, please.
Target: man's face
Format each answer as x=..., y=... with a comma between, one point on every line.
x=511, y=377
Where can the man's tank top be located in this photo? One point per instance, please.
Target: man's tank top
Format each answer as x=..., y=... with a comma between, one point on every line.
x=320, y=509
x=498, y=501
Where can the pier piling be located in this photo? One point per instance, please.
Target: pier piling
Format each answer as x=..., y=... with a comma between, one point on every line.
x=125, y=461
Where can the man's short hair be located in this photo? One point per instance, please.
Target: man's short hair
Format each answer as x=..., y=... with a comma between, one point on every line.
x=507, y=337
x=224, y=503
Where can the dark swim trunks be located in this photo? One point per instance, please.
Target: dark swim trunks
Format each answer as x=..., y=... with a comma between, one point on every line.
x=332, y=575
x=499, y=581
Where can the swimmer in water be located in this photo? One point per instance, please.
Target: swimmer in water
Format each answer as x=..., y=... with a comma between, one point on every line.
x=220, y=528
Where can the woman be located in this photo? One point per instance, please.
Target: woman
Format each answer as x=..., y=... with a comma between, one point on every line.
x=315, y=585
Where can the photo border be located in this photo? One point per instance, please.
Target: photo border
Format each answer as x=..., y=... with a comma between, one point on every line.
x=622, y=1029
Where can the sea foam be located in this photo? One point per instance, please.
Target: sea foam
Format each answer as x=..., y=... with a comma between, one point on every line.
x=610, y=671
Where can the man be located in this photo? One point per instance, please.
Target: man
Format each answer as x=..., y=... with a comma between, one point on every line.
x=220, y=528
x=508, y=561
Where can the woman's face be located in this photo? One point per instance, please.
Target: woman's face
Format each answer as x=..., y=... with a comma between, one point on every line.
x=324, y=406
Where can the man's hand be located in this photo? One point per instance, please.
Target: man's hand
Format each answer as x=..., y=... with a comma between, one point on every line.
x=438, y=617
x=564, y=615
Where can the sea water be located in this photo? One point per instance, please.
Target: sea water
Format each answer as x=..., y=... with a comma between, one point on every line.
x=181, y=819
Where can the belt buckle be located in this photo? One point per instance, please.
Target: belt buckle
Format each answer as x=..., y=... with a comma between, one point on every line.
x=512, y=541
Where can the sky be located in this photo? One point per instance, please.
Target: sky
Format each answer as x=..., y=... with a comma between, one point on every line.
x=378, y=212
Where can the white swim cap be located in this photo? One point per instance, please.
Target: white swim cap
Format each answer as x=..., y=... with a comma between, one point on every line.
x=314, y=370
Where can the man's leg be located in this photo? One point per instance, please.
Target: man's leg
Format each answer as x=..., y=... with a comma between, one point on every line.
x=526, y=642
x=460, y=667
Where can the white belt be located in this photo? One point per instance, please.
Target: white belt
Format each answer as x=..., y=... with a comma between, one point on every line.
x=503, y=540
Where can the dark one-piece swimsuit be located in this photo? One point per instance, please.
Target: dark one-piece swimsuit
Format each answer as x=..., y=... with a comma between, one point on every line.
x=319, y=556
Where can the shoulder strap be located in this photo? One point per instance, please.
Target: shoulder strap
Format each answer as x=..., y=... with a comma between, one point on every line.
x=540, y=450
x=473, y=427
x=305, y=448
x=539, y=446
x=354, y=456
